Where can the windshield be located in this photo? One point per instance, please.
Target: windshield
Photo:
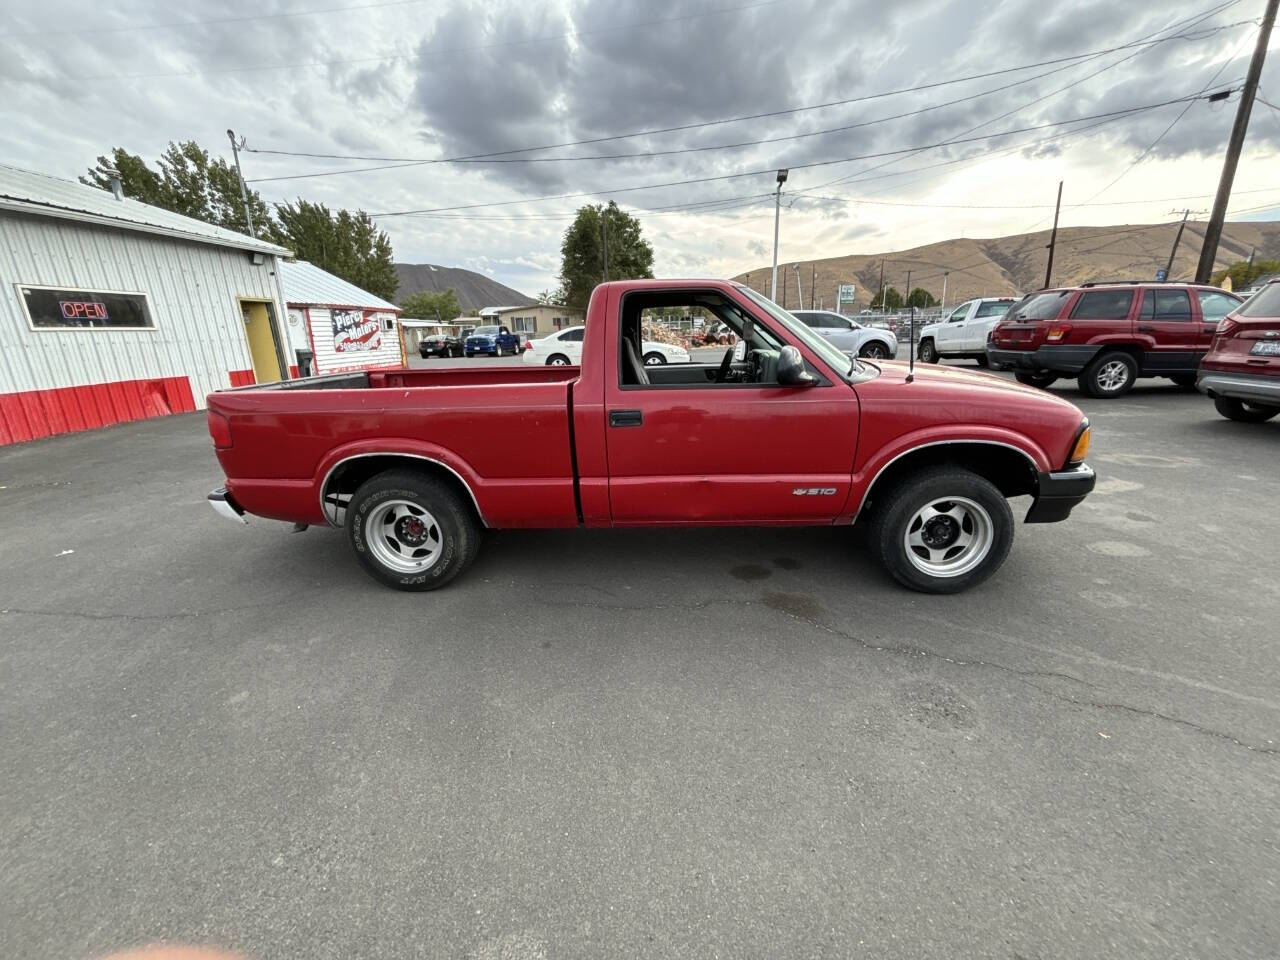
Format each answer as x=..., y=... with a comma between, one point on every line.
x=485, y=331
x=836, y=358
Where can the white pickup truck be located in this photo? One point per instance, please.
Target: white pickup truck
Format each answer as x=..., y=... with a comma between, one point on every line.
x=963, y=333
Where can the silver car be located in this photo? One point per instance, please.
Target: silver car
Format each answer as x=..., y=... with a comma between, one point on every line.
x=849, y=335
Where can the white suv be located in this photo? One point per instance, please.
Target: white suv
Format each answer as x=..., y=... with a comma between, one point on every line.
x=963, y=333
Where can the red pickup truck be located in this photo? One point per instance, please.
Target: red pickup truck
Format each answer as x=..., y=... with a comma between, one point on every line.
x=784, y=429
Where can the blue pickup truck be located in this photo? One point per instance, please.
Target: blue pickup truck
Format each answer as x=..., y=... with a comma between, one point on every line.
x=493, y=341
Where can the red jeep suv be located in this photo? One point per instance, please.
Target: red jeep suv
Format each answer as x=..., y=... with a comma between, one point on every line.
x=1242, y=371
x=1109, y=334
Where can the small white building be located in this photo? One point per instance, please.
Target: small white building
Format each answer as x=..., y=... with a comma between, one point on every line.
x=114, y=310
x=340, y=325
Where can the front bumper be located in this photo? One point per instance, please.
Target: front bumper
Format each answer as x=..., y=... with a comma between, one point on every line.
x=1060, y=358
x=1240, y=386
x=225, y=505
x=1059, y=492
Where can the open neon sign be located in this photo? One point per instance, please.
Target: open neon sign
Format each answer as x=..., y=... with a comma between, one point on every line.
x=83, y=309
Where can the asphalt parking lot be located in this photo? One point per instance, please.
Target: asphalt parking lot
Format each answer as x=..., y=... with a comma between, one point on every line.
x=731, y=743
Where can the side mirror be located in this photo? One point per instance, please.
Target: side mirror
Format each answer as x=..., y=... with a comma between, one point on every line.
x=740, y=351
x=791, y=371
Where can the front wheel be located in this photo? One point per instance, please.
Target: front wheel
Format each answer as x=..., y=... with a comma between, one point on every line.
x=1244, y=412
x=942, y=531
x=654, y=359
x=1109, y=375
x=875, y=350
x=410, y=531
x=927, y=353
x=1040, y=378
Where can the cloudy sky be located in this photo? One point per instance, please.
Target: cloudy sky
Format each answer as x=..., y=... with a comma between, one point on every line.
x=398, y=84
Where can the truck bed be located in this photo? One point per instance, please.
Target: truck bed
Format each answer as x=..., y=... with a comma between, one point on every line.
x=407, y=377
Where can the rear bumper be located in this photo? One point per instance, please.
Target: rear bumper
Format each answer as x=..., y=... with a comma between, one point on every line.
x=1060, y=491
x=1239, y=386
x=225, y=505
x=1060, y=358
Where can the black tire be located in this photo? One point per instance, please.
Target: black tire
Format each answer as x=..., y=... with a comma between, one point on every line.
x=654, y=359
x=1102, y=371
x=458, y=528
x=1187, y=381
x=1244, y=412
x=1040, y=378
x=874, y=350
x=557, y=360
x=927, y=352
x=982, y=361
x=894, y=516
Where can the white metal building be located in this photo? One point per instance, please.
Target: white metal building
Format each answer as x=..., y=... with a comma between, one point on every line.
x=114, y=310
x=342, y=326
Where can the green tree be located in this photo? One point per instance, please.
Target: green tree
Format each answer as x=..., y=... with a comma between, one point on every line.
x=439, y=305
x=1242, y=275
x=582, y=262
x=189, y=182
x=347, y=244
x=920, y=297
x=551, y=298
x=891, y=299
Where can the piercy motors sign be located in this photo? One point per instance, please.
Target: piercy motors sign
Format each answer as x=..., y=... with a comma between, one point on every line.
x=357, y=331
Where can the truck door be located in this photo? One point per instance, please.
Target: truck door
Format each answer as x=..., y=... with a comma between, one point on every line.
x=951, y=333
x=1165, y=327
x=708, y=442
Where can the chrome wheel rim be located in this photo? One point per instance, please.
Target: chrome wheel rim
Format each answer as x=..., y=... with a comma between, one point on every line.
x=403, y=536
x=949, y=536
x=652, y=361
x=1112, y=375
x=875, y=352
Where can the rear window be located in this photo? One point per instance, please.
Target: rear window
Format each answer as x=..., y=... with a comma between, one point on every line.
x=1264, y=303
x=997, y=308
x=1039, y=306
x=1103, y=305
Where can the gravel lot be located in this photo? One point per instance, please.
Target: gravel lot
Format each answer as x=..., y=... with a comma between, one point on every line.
x=651, y=744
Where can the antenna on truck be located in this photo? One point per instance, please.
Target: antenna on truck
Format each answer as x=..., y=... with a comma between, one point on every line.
x=911, y=356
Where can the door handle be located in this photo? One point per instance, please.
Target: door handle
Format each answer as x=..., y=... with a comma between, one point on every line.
x=625, y=418
x=1146, y=329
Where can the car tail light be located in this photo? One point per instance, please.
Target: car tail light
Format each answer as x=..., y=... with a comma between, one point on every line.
x=528, y=345
x=220, y=430
x=1058, y=332
x=1226, y=327
x=1081, y=449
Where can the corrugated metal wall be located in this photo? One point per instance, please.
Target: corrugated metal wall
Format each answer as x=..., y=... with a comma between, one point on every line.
x=329, y=360
x=191, y=289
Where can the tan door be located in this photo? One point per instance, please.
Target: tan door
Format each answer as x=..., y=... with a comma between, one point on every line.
x=260, y=332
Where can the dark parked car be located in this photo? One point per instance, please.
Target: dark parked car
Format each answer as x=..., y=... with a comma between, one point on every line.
x=1109, y=334
x=1242, y=370
x=440, y=345
x=492, y=340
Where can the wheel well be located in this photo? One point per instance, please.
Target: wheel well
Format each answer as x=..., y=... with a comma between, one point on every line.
x=348, y=475
x=1011, y=471
x=1133, y=350
x=557, y=354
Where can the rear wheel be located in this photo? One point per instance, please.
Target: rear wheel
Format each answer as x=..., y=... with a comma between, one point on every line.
x=410, y=531
x=1110, y=375
x=942, y=531
x=557, y=360
x=1040, y=378
x=982, y=361
x=1243, y=411
x=875, y=350
x=928, y=353
x=654, y=359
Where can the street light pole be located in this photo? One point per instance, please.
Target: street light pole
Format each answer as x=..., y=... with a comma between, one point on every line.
x=799, y=288
x=244, y=193
x=945, y=274
x=777, y=216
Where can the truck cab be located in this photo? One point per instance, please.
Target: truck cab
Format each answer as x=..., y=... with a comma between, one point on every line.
x=962, y=334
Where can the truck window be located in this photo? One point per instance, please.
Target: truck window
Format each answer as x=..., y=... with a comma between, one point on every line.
x=1103, y=305
x=959, y=313
x=996, y=308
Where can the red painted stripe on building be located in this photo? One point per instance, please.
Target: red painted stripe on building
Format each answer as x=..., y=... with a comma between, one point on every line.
x=241, y=378
x=32, y=414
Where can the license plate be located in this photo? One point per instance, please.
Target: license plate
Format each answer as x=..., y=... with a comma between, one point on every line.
x=1266, y=348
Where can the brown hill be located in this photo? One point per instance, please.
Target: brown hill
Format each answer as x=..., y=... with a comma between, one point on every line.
x=474, y=290
x=1004, y=266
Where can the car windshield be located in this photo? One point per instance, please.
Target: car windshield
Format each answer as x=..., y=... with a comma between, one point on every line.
x=485, y=331
x=1264, y=303
x=836, y=358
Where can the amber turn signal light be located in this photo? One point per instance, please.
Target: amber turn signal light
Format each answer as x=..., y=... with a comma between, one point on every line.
x=1081, y=449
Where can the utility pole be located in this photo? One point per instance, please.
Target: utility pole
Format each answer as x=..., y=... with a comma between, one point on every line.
x=604, y=240
x=913, y=309
x=1177, y=238
x=777, y=216
x=1053, y=237
x=1213, y=232
x=882, y=308
x=244, y=192
x=945, y=274
x=799, y=289
x=813, y=284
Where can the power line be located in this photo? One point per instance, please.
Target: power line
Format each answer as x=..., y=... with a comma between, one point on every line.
x=1116, y=114
x=177, y=24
